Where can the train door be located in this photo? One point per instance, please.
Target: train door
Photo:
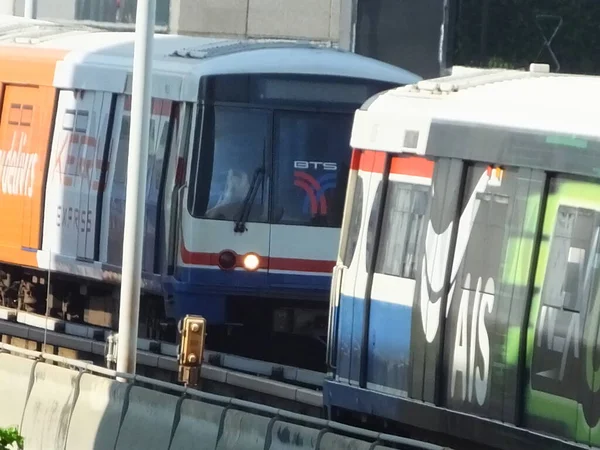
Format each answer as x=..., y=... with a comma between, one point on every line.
x=114, y=206
x=73, y=189
x=353, y=285
x=486, y=288
x=339, y=304
x=24, y=134
x=173, y=187
x=563, y=393
x=399, y=249
x=428, y=313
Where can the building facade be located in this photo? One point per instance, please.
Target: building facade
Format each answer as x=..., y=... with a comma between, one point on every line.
x=316, y=20
x=405, y=33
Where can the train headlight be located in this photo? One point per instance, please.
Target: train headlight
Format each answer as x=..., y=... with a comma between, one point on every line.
x=251, y=261
x=227, y=260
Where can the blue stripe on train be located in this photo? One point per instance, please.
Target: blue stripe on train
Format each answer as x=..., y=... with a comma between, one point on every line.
x=241, y=281
x=389, y=341
x=203, y=291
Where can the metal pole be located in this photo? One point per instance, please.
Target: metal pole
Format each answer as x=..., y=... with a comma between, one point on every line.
x=136, y=187
x=30, y=9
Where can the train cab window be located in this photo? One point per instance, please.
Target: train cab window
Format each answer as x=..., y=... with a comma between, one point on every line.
x=356, y=212
x=312, y=162
x=233, y=164
x=574, y=259
x=372, y=225
x=402, y=229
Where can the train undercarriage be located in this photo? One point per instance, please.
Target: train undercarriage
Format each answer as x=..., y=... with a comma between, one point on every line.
x=285, y=331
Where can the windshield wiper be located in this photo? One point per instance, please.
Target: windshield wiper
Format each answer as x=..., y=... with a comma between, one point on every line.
x=244, y=212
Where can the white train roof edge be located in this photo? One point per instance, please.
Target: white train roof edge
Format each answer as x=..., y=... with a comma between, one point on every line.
x=102, y=60
x=521, y=100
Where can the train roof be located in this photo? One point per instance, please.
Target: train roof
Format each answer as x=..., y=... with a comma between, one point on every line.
x=96, y=59
x=516, y=101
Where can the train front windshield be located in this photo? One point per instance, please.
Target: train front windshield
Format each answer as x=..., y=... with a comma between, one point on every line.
x=275, y=153
x=304, y=155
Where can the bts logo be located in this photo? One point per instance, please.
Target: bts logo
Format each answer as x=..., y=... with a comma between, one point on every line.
x=304, y=165
x=314, y=187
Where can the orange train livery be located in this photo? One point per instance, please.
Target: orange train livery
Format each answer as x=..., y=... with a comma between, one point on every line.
x=26, y=116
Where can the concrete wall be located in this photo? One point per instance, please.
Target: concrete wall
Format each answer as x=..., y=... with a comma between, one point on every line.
x=305, y=19
x=48, y=9
x=58, y=408
x=87, y=10
x=297, y=19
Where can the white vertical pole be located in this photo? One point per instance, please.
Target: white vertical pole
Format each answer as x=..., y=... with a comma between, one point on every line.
x=136, y=187
x=30, y=9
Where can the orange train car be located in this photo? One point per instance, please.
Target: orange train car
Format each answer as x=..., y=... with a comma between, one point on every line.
x=28, y=101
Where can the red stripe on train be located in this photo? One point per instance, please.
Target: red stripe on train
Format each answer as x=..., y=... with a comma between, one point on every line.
x=415, y=166
x=355, y=160
x=291, y=264
x=368, y=161
x=160, y=107
x=373, y=161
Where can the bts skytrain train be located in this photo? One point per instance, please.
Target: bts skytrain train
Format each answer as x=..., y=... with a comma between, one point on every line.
x=247, y=170
x=465, y=298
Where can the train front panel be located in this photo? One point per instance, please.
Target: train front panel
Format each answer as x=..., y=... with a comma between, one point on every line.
x=264, y=199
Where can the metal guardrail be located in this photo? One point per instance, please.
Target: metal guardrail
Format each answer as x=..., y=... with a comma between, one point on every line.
x=234, y=371
x=228, y=402
x=94, y=334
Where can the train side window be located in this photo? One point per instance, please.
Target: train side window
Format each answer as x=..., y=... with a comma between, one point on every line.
x=75, y=122
x=568, y=281
x=573, y=259
x=372, y=225
x=20, y=115
x=354, y=225
x=232, y=163
x=155, y=171
x=122, y=151
x=156, y=146
x=402, y=229
x=153, y=153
